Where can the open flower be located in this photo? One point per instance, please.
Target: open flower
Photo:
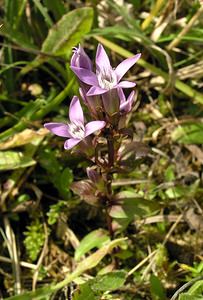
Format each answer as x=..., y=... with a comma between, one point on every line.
x=75, y=130
x=106, y=78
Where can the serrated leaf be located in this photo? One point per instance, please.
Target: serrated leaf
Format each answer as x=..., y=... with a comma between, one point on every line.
x=190, y=133
x=109, y=282
x=11, y=160
x=94, y=239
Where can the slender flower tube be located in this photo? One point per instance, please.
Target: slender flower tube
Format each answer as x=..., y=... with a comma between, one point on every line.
x=106, y=78
x=75, y=130
x=81, y=60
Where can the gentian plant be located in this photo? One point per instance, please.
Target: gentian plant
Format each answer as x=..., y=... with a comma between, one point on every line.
x=102, y=92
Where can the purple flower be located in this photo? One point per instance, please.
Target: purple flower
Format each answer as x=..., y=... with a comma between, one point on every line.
x=106, y=78
x=80, y=59
x=75, y=130
x=126, y=104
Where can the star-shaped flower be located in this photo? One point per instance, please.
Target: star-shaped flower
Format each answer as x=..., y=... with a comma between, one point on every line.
x=75, y=130
x=106, y=78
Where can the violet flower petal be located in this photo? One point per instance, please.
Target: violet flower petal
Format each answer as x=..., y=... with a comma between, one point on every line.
x=121, y=95
x=80, y=59
x=85, y=75
x=93, y=126
x=96, y=90
x=71, y=143
x=76, y=112
x=125, y=84
x=127, y=105
x=102, y=60
x=125, y=65
x=59, y=129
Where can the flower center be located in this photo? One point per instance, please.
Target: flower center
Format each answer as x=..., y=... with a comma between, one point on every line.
x=107, y=78
x=77, y=131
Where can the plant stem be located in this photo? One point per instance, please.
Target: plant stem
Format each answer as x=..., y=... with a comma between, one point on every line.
x=111, y=156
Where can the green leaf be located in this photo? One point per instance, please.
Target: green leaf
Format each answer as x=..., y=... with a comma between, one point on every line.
x=131, y=204
x=65, y=34
x=156, y=288
x=109, y=282
x=88, y=263
x=10, y=160
x=68, y=31
x=94, y=239
x=85, y=292
x=189, y=297
x=190, y=133
x=196, y=288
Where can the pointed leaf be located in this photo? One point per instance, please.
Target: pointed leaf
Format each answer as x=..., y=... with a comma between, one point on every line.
x=96, y=238
x=64, y=35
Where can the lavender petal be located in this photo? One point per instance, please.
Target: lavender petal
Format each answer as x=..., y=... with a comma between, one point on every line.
x=125, y=65
x=93, y=126
x=127, y=105
x=96, y=90
x=71, y=143
x=85, y=75
x=126, y=84
x=121, y=95
x=102, y=60
x=76, y=112
x=80, y=59
x=59, y=129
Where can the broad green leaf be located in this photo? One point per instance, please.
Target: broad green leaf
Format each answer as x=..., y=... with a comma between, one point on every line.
x=190, y=133
x=68, y=31
x=94, y=239
x=109, y=282
x=156, y=288
x=131, y=204
x=10, y=160
x=64, y=35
